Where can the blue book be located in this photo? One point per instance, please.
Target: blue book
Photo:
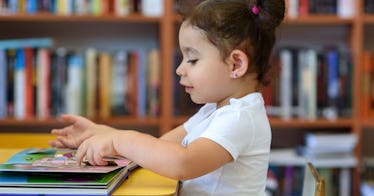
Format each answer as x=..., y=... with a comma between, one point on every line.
x=26, y=43
x=31, y=6
x=13, y=6
x=332, y=83
x=142, y=83
x=3, y=84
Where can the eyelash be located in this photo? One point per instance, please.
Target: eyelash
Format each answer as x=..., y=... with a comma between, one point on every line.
x=193, y=61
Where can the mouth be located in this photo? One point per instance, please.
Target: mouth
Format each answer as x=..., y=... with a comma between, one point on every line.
x=188, y=89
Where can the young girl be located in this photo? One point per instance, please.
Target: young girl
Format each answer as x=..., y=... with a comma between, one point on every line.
x=224, y=148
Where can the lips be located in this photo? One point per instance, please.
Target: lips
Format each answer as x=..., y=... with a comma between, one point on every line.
x=187, y=88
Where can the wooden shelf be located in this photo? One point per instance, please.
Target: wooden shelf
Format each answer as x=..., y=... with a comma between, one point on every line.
x=130, y=121
x=47, y=17
x=369, y=19
x=319, y=20
x=319, y=123
x=367, y=123
x=296, y=123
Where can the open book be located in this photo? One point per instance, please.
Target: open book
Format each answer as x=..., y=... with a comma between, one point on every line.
x=55, y=172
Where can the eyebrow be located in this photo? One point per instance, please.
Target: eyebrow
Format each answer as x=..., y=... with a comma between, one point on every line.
x=190, y=50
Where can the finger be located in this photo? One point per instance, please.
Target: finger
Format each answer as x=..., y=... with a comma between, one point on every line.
x=81, y=153
x=65, y=142
x=56, y=143
x=90, y=156
x=59, y=131
x=98, y=158
x=69, y=118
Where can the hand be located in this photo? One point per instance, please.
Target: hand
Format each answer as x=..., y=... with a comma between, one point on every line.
x=100, y=145
x=72, y=136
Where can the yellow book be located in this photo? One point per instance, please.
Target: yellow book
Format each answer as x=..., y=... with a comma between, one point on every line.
x=104, y=84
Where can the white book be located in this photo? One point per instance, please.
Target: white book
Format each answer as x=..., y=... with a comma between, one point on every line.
x=346, y=8
x=293, y=9
x=20, y=85
x=286, y=84
x=330, y=140
x=74, y=85
x=311, y=84
x=152, y=7
x=345, y=182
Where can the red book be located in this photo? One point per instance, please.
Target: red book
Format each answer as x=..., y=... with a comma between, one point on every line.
x=366, y=99
x=29, y=65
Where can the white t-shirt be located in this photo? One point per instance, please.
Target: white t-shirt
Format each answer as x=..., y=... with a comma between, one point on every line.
x=243, y=129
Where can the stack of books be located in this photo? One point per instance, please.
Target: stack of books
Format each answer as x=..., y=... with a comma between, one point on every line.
x=330, y=150
x=47, y=171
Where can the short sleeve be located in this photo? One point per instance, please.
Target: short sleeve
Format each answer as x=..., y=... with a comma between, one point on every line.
x=233, y=130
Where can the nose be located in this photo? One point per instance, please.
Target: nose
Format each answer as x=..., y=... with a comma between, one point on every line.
x=180, y=71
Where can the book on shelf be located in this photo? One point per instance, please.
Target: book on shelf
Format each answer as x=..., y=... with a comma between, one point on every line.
x=43, y=81
x=121, y=8
x=301, y=8
x=26, y=43
x=287, y=165
x=319, y=84
x=55, y=171
x=3, y=84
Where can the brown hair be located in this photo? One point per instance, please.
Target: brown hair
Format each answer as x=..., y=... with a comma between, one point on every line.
x=231, y=24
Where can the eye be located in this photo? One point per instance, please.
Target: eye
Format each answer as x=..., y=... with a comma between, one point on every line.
x=192, y=61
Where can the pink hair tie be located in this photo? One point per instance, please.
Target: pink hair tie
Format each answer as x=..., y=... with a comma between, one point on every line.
x=255, y=10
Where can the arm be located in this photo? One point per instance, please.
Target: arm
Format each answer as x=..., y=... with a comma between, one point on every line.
x=176, y=135
x=161, y=156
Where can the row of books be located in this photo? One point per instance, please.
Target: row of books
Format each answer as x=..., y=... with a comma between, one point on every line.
x=82, y=7
x=341, y=8
x=288, y=180
x=310, y=84
x=44, y=82
x=368, y=84
x=332, y=155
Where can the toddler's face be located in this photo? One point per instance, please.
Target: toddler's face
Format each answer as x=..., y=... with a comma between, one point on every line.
x=203, y=73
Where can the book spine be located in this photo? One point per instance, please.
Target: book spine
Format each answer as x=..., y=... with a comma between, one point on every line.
x=311, y=83
x=29, y=76
x=118, y=83
x=3, y=84
x=104, y=84
x=142, y=84
x=26, y=43
x=74, y=85
x=286, y=84
x=153, y=76
x=19, y=85
x=366, y=67
x=346, y=8
x=152, y=7
x=91, y=66
x=122, y=7
x=43, y=89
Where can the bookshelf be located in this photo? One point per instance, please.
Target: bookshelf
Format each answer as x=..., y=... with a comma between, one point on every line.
x=113, y=31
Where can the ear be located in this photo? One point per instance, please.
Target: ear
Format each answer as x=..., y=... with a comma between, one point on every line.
x=239, y=63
